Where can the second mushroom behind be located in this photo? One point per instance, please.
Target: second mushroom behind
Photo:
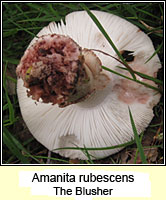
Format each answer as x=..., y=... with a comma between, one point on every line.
x=78, y=103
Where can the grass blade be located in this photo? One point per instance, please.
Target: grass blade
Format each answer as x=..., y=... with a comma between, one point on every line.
x=140, y=82
x=157, y=50
x=18, y=147
x=145, y=76
x=51, y=158
x=5, y=107
x=147, y=13
x=137, y=140
x=88, y=156
x=12, y=146
x=100, y=27
x=10, y=105
x=11, y=60
x=12, y=79
x=137, y=151
x=31, y=33
x=23, y=149
x=98, y=149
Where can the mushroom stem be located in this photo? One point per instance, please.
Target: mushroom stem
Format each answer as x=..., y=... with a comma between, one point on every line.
x=58, y=71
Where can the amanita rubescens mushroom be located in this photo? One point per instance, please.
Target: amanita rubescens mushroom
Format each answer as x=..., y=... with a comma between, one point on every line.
x=67, y=100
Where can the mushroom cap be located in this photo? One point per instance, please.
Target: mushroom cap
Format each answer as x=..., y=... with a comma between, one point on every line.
x=102, y=120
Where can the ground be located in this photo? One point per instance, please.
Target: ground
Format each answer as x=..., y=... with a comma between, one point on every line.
x=21, y=21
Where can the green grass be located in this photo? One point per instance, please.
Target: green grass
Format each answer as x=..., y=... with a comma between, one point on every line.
x=21, y=22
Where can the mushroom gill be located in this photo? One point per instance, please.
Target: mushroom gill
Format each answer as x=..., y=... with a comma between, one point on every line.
x=79, y=104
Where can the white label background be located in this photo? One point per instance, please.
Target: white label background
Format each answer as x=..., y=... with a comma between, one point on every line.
x=141, y=187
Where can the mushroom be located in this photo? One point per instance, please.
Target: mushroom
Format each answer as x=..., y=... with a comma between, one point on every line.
x=65, y=97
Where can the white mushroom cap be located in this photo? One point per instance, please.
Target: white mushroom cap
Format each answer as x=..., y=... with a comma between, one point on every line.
x=102, y=120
